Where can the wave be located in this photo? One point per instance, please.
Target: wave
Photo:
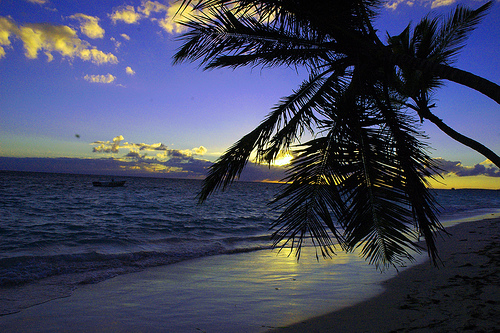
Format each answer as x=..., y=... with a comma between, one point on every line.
x=93, y=267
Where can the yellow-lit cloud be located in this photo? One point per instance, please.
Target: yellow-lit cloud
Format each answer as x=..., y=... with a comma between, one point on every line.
x=163, y=153
x=107, y=146
x=49, y=38
x=200, y=150
x=40, y=2
x=125, y=36
x=117, y=43
x=129, y=70
x=441, y=3
x=129, y=14
x=89, y=25
x=393, y=4
x=168, y=24
x=100, y=78
x=149, y=7
x=7, y=29
x=126, y=14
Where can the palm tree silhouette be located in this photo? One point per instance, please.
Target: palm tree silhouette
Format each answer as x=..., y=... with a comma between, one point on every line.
x=361, y=179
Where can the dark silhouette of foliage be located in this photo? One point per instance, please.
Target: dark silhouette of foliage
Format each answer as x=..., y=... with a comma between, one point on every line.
x=362, y=178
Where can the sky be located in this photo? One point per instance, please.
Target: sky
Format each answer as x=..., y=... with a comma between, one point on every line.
x=90, y=87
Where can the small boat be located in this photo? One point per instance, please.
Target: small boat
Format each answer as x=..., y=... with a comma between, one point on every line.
x=111, y=183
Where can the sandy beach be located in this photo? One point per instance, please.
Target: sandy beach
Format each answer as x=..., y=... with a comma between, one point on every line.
x=462, y=295
x=262, y=291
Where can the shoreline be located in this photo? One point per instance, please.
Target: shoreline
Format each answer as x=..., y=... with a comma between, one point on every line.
x=265, y=292
x=462, y=294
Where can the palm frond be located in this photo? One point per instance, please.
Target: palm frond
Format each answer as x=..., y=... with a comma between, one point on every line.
x=457, y=28
x=378, y=218
x=361, y=180
x=289, y=114
x=222, y=39
x=310, y=198
x=415, y=166
x=312, y=98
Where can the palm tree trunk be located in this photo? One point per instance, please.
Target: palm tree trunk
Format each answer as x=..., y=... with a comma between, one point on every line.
x=486, y=87
x=477, y=146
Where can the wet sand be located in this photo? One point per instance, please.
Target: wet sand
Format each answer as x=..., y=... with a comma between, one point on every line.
x=462, y=295
x=243, y=292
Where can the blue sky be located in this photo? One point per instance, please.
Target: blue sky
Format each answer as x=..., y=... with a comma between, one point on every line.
x=94, y=80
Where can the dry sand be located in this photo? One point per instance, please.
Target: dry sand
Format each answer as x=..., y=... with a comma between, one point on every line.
x=462, y=295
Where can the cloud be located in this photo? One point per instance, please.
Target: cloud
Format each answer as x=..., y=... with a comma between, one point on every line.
x=39, y=2
x=129, y=70
x=7, y=29
x=131, y=15
x=485, y=168
x=100, y=78
x=169, y=24
x=442, y=3
x=149, y=7
x=89, y=25
x=125, y=36
x=49, y=38
x=117, y=43
x=126, y=14
x=132, y=165
x=108, y=146
x=161, y=151
x=200, y=150
x=394, y=4
x=156, y=157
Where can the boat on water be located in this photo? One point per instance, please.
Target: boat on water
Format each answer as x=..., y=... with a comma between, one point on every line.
x=112, y=183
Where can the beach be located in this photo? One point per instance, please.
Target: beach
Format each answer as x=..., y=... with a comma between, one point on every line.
x=261, y=291
x=461, y=295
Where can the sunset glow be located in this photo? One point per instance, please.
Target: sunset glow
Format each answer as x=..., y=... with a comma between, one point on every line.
x=95, y=81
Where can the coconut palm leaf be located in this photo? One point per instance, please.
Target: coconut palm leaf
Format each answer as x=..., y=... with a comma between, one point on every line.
x=457, y=28
x=288, y=114
x=221, y=39
x=361, y=181
x=437, y=43
x=283, y=126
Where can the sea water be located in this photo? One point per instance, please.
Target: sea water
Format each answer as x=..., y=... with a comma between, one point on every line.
x=57, y=231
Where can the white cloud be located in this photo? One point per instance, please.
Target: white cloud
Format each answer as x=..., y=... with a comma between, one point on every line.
x=125, y=36
x=129, y=70
x=126, y=14
x=89, y=25
x=100, y=78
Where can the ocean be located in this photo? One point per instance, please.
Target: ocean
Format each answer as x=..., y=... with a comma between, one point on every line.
x=58, y=232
